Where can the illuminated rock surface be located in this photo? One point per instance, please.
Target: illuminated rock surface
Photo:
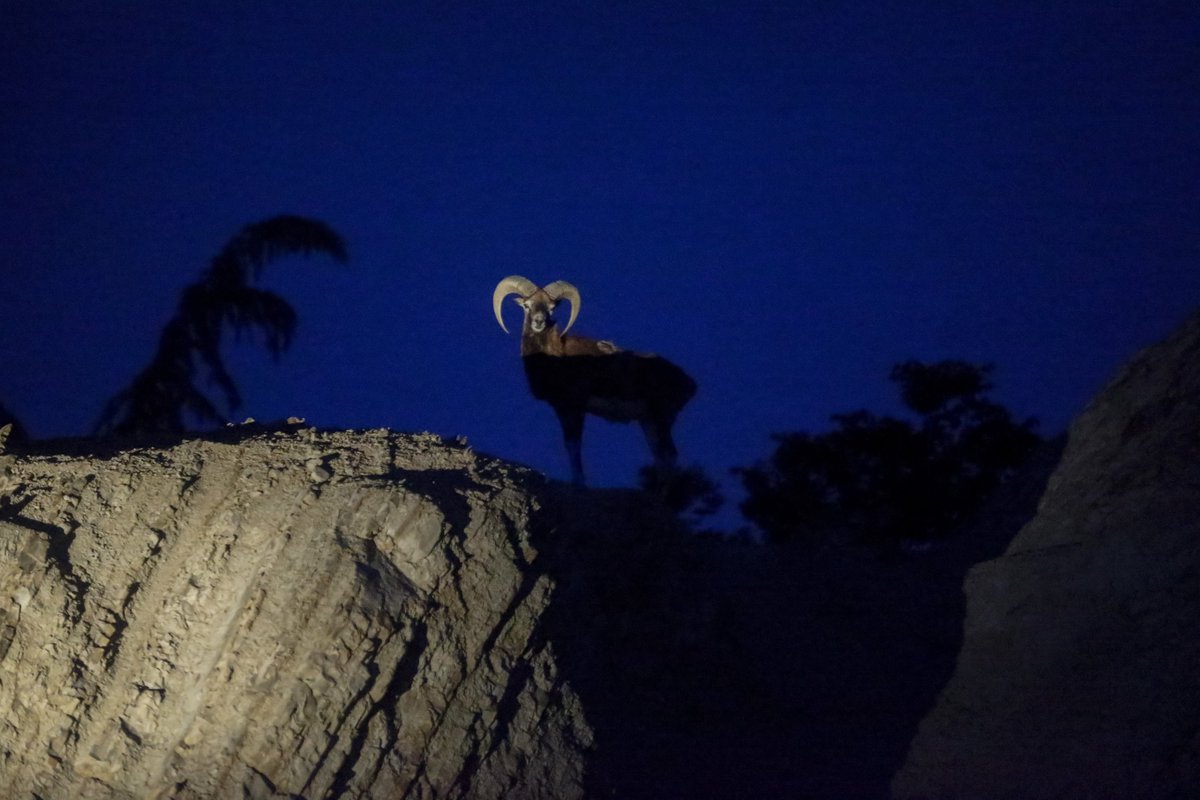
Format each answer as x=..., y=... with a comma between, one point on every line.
x=288, y=614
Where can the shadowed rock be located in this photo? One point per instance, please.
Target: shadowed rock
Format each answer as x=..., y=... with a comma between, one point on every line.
x=1078, y=672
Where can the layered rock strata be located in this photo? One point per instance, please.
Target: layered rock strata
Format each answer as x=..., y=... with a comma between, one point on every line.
x=287, y=614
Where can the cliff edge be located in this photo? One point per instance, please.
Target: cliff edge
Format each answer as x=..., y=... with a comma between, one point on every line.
x=283, y=614
x=294, y=613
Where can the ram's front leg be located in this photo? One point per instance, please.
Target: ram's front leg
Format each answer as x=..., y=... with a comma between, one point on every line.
x=572, y=427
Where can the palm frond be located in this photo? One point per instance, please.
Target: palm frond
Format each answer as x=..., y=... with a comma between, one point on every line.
x=209, y=353
x=247, y=308
x=160, y=395
x=145, y=405
x=155, y=400
x=252, y=248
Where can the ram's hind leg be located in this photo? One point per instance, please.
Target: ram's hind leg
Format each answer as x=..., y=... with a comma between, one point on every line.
x=662, y=446
x=572, y=427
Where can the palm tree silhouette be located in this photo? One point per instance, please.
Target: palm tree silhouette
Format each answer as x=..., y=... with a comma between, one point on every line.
x=162, y=394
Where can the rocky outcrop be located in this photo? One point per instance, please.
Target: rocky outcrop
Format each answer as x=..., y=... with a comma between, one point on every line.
x=1078, y=675
x=296, y=613
x=283, y=614
x=321, y=614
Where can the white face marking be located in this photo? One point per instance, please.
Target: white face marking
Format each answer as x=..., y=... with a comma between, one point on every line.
x=537, y=314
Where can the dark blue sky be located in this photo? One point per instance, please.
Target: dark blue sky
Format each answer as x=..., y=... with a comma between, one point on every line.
x=785, y=198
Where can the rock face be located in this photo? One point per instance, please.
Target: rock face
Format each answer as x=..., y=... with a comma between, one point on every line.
x=288, y=614
x=302, y=614
x=1079, y=674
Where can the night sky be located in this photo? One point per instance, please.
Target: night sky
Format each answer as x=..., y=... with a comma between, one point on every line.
x=785, y=199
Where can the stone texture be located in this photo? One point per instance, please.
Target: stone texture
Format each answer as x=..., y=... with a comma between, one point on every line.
x=1079, y=675
x=305, y=614
x=280, y=614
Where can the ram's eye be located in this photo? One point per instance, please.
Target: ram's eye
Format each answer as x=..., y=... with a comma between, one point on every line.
x=524, y=304
x=553, y=306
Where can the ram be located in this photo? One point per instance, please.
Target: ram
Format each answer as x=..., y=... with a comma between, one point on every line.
x=579, y=376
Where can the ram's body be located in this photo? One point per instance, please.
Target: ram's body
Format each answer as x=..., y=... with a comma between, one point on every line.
x=579, y=376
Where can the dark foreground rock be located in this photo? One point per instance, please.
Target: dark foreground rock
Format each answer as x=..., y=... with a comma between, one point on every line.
x=1079, y=675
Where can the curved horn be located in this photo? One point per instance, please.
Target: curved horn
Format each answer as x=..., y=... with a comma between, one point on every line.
x=561, y=290
x=513, y=284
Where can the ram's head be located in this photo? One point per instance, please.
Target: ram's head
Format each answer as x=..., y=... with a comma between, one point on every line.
x=538, y=303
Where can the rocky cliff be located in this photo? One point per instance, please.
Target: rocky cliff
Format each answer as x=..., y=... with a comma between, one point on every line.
x=288, y=614
x=1079, y=675
x=297, y=613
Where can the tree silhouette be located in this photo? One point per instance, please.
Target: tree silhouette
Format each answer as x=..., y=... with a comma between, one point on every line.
x=879, y=478
x=165, y=392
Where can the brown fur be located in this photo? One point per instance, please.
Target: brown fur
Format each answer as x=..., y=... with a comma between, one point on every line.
x=577, y=375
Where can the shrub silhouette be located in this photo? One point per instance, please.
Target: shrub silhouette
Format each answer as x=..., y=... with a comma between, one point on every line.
x=687, y=491
x=878, y=478
x=160, y=396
